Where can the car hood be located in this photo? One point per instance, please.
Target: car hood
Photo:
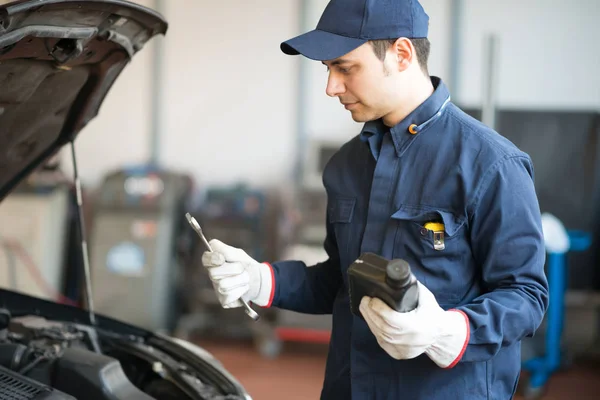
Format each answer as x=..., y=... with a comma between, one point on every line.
x=58, y=60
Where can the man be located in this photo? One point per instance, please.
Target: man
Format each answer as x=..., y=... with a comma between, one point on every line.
x=418, y=161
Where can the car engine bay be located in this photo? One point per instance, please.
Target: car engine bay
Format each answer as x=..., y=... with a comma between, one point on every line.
x=46, y=359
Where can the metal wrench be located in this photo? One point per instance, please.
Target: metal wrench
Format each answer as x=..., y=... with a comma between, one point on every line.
x=196, y=226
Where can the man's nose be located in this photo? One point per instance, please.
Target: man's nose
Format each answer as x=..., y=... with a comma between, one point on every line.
x=335, y=86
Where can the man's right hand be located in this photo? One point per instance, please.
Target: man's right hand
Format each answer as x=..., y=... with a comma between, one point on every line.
x=236, y=275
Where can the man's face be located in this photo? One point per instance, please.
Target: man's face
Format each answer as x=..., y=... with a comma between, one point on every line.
x=363, y=83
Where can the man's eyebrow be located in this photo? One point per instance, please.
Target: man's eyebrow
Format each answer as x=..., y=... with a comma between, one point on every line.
x=338, y=61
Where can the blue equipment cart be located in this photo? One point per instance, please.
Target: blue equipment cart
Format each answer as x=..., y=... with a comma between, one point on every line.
x=542, y=367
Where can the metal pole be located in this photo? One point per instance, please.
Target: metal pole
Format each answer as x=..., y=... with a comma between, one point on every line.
x=301, y=115
x=156, y=84
x=490, y=77
x=455, y=48
x=83, y=235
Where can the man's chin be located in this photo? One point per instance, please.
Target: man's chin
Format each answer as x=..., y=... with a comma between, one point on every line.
x=358, y=117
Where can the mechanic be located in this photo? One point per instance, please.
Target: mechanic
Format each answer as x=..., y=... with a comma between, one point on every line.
x=418, y=159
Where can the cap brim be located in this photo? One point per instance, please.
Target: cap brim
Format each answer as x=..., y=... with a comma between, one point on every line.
x=320, y=45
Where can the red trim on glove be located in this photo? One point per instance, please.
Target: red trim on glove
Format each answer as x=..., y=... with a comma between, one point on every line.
x=272, y=285
x=462, y=352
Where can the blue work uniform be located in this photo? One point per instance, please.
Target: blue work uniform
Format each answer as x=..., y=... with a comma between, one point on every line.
x=438, y=164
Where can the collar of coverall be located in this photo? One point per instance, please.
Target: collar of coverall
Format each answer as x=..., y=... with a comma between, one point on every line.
x=415, y=123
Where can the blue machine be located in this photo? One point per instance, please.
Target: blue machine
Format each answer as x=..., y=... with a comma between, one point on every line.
x=542, y=367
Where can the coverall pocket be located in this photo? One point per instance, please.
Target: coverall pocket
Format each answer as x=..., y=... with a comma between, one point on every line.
x=341, y=211
x=435, y=244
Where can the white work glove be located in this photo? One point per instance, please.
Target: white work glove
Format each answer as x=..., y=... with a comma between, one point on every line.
x=236, y=275
x=442, y=335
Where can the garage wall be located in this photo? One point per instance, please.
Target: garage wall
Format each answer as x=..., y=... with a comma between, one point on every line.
x=229, y=93
x=227, y=97
x=229, y=105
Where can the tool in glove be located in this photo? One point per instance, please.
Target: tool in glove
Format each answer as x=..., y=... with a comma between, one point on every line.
x=196, y=226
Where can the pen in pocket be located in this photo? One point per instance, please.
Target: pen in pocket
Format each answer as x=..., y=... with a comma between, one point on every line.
x=438, y=234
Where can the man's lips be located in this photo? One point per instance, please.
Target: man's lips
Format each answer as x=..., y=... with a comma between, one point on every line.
x=348, y=106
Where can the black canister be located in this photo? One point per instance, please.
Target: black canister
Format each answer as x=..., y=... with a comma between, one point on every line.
x=389, y=280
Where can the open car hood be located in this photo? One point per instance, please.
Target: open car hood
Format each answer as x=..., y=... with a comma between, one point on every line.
x=58, y=60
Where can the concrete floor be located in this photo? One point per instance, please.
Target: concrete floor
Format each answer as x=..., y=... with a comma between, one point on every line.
x=298, y=372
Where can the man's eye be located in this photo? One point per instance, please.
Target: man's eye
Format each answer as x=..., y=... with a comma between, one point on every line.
x=340, y=69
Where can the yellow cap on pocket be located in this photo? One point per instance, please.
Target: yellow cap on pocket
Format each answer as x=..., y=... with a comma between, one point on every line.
x=434, y=226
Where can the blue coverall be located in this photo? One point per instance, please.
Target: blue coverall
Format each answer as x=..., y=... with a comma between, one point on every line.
x=382, y=186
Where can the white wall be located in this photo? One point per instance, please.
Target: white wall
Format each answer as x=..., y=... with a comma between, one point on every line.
x=549, y=52
x=228, y=96
x=229, y=105
x=229, y=93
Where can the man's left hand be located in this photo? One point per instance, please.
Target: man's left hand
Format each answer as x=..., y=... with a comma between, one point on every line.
x=442, y=335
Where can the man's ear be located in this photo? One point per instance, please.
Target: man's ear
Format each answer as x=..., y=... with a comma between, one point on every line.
x=404, y=53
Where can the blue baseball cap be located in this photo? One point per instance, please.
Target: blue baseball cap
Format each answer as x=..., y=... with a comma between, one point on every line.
x=348, y=24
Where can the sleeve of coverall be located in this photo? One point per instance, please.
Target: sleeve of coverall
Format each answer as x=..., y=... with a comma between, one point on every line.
x=310, y=290
x=508, y=245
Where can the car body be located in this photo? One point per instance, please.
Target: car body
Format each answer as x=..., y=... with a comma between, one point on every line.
x=58, y=60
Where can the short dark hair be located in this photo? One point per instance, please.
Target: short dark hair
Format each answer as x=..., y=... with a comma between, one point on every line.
x=422, y=48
